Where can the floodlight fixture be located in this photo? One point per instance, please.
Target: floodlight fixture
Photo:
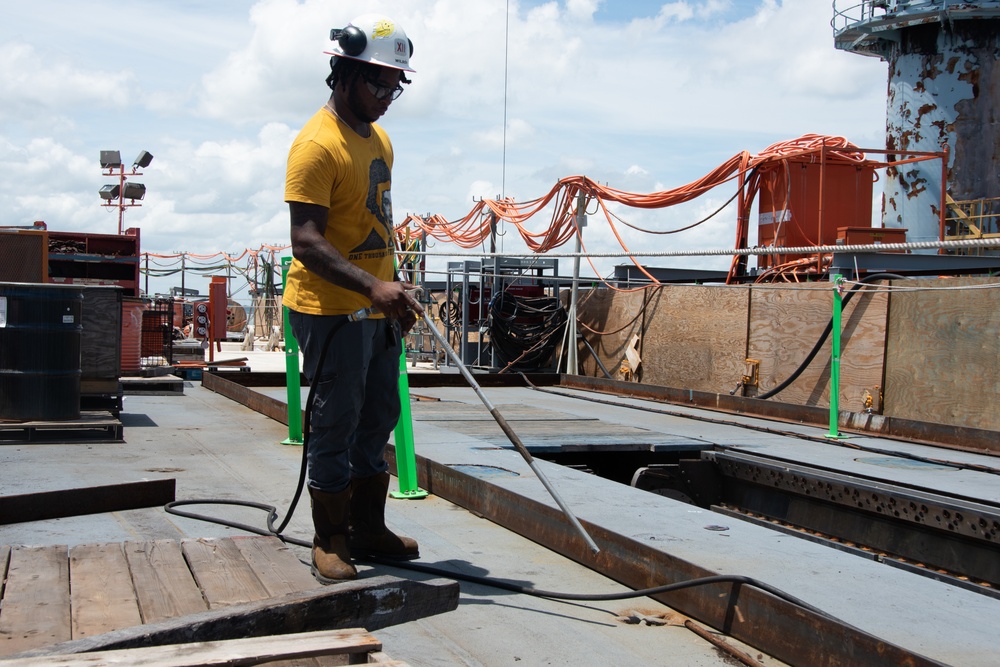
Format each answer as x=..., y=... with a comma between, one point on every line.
x=124, y=194
x=111, y=159
x=133, y=191
x=111, y=192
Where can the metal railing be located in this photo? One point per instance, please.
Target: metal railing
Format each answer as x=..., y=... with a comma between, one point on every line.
x=851, y=13
x=972, y=219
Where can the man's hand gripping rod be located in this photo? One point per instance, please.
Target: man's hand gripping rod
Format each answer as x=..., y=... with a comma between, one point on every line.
x=508, y=431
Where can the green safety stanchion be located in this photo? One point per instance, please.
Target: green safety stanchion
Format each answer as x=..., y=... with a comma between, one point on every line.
x=838, y=307
x=406, y=458
x=293, y=385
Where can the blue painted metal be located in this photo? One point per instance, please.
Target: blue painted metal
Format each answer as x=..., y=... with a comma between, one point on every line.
x=944, y=81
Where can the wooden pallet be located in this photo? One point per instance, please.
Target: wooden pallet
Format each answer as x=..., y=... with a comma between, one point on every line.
x=159, y=385
x=92, y=426
x=94, y=597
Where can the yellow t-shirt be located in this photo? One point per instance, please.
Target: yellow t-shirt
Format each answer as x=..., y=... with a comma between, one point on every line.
x=330, y=165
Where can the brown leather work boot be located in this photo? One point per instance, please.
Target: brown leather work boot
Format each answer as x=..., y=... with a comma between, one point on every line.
x=369, y=535
x=331, y=558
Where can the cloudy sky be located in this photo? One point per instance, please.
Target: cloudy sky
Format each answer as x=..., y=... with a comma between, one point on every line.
x=640, y=95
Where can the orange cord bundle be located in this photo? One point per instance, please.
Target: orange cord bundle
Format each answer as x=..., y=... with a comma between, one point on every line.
x=473, y=230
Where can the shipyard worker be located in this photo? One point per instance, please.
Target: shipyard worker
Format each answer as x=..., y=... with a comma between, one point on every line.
x=338, y=191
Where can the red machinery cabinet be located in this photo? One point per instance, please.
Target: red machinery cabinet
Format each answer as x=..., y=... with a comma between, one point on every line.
x=218, y=300
x=210, y=317
x=807, y=204
x=872, y=235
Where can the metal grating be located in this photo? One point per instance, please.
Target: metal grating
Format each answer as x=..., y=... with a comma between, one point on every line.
x=157, y=333
x=24, y=256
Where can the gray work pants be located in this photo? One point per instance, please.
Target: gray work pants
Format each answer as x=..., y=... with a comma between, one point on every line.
x=356, y=403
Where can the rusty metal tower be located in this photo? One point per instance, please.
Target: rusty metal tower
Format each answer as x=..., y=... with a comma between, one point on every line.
x=944, y=84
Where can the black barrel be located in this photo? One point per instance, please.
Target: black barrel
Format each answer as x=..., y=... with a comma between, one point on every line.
x=40, y=327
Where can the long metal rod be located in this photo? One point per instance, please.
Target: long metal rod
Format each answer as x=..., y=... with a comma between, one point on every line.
x=512, y=436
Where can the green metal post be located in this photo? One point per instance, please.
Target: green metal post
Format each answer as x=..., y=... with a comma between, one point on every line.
x=293, y=386
x=406, y=457
x=838, y=306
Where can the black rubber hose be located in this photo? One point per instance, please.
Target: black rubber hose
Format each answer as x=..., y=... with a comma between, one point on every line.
x=272, y=515
x=272, y=512
x=822, y=339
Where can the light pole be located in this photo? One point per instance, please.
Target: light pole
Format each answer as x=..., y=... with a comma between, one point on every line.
x=116, y=194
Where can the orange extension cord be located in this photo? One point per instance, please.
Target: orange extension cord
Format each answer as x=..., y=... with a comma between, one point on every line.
x=473, y=230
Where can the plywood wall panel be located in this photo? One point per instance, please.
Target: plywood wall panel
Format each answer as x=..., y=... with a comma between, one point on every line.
x=696, y=337
x=786, y=322
x=943, y=353
x=608, y=320
x=690, y=336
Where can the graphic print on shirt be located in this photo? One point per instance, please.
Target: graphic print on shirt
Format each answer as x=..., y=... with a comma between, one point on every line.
x=379, y=203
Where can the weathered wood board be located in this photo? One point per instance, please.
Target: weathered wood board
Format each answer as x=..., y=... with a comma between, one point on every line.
x=115, y=596
x=690, y=336
x=351, y=646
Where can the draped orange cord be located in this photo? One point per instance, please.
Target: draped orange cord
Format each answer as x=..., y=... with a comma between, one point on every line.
x=751, y=172
x=222, y=254
x=472, y=230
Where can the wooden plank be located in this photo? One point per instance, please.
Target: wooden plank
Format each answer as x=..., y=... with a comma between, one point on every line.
x=696, y=337
x=90, y=428
x=222, y=573
x=354, y=642
x=165, y=587
x=101, y=590
x=375, y=603
x=280, y=572
x=88, y=500
x=616, y=316
x=35, y=599
x=275, y=565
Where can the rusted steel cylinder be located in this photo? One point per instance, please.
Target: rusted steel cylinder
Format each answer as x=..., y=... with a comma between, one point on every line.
x=944, y=84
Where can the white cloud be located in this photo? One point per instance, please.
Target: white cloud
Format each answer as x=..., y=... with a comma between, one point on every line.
x=32, y=82
x=216, y=91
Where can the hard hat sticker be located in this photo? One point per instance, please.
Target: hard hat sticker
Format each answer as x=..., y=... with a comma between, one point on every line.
x=382, y=29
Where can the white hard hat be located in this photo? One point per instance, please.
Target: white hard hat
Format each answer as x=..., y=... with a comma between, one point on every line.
x=373, y=38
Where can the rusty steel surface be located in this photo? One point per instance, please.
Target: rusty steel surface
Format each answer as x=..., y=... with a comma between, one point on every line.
x=239, y=387
x=668, y=545
x=943, y=89
x=88, y=500
x=778, y=627
x=952, y=437
x=937, y=531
